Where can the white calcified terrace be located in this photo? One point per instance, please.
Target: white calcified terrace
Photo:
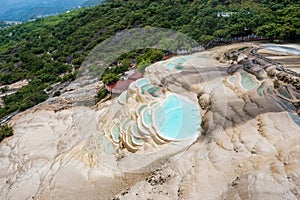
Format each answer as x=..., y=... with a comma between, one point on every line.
x=144, y=114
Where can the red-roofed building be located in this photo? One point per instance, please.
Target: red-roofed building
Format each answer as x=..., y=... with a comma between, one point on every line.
x=122, y=85
x=136, y=76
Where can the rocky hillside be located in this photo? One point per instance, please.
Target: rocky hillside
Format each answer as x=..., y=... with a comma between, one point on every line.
x=247, y=148
x=50, y=50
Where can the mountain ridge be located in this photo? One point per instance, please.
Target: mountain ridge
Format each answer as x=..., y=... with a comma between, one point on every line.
x=19, y=10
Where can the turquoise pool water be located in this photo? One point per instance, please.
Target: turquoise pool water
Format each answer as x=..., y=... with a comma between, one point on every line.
x=260, y=89
x=122, y=97
x=141, y=128
x=170, y=66
x=270, y=91
x=106, y=146
x=283, y=91
x=142, y=81
x=231, y=80
x=142, y=107
x=153, y=90
x=147, y=118
x=176, y=118
x=287, y=104
x=110, y=148
x=179, y=67
x=128, y=139
x=115, y=133
x=247, y=82
x=99, y=139
x=295, y=118
x=137, y=141
x=146, y=87
x=134, y=130
x=180, y=60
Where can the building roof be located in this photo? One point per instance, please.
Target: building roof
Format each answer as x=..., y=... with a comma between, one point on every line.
x=136, y=76
x=122, y=85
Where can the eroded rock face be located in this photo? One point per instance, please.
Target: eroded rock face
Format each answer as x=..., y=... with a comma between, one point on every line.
x=204, y=101
x=249, y=146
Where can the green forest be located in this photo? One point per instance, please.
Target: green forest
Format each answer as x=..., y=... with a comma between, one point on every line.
x=50, y=50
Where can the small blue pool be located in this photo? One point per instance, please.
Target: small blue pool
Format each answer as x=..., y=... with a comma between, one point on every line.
x=287, y=104
x=176, y=118
x=247, y=82
x=269, y=91
x=295, y=118
x=170, y=66
x=260, y=89
x=147, y=120
x=146, y=87
x=284, y=92
x=122, y=97
x=180, y=60
x=115, y=133
x=142, y=81
x=231, y=80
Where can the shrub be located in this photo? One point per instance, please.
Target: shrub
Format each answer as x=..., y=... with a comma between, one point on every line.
x=102, y=93
x=56, y=93
x=110, y=78
x=5, y=131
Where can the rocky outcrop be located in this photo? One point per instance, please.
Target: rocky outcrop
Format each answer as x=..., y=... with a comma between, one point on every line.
x=204, y=101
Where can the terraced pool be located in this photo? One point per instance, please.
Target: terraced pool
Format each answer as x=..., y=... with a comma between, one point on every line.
x=260, y=89
x=247, y=82
x=295, y=118
x=164, y=117
x=231, y=79
x=170, y=66
x=283, y=91
x=177, y=118
x=142, y=81
x=180, y=60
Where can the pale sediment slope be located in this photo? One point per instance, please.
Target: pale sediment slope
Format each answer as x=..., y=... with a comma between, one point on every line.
x=47, y=158
x=249, y=147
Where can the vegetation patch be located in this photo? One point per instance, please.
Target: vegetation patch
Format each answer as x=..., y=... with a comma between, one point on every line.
x=5, y=131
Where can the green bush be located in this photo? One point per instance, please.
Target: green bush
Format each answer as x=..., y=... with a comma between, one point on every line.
x=4, y=89
x=110, y=78
x=102, y=93
x=69, y=77
x=5, y=131
x=56, y=93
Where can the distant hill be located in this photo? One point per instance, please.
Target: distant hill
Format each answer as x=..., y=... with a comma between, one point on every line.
x=93, y=2
x=2, y=24
x=21, y=10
